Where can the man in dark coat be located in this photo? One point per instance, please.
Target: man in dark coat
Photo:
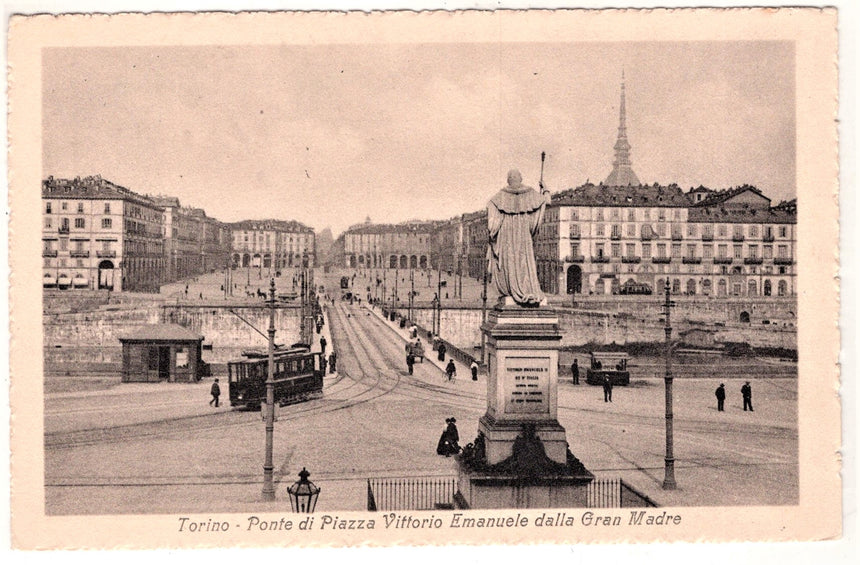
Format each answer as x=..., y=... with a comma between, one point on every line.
x=746, y=392
x=442, y=350
x=721, y=397
x=451, y=370
x=410, y=361
x=323, y=343
x=607, y=389
x=215, y=391
x=575, y=370
x=332, y=362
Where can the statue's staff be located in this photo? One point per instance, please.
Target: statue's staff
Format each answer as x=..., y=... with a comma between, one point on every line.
x=542, y=159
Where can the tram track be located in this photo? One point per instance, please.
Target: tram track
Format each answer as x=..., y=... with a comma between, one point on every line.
x=167, y=427
x=375, y=375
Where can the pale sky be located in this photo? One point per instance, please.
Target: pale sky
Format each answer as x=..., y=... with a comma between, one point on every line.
x=328, y=135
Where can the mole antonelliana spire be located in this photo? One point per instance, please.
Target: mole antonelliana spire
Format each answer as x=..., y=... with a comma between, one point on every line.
x=622, y=173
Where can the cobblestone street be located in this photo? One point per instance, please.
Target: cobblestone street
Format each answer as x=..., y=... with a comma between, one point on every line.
x=159, y=448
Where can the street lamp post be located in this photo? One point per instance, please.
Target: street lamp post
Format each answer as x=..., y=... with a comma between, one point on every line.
x=669, y=476
x=395, y=296
x=411, y=291
x=268, y=466
x=484, y=311
x=438, y=330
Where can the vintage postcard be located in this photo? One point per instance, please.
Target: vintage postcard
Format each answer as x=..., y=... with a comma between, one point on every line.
x=330, y=279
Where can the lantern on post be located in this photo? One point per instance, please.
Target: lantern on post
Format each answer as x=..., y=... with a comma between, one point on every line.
x=303, y=494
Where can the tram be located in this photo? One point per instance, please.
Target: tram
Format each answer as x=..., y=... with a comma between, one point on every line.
x=297, y=377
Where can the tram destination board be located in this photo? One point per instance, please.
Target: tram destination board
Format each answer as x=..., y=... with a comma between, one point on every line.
x=527, y=384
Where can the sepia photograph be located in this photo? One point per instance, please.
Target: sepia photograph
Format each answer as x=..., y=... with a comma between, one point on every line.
x=447, y=277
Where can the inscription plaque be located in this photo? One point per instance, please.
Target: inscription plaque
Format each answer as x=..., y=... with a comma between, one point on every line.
x=527, y=385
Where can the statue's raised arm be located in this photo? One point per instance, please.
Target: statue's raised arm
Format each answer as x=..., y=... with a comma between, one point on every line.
x=513, y=217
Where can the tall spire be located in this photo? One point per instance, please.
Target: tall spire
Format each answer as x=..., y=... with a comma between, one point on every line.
x=622, y=173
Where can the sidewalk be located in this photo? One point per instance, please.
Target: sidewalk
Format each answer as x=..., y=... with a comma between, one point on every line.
x=464, y=374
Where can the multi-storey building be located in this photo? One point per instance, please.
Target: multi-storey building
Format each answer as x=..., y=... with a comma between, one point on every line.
x=475, y=241
x=194, y=243
x=272, y=244
x=181, y=239
x=99, y=235
x=216, y=243
x=625, y=237
x=622, y=237
x=404, y=246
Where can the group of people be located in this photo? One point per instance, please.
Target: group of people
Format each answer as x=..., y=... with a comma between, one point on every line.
x=746, y=394
x=449, y=442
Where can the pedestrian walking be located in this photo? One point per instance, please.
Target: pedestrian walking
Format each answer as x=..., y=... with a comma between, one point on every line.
x=574, y=369
x=410, y=361
x=332, y=362
x=451, y=370
x=721, y=397
x=322, y=364
x=215, y=391
x=442, y=349
x=746, y=392
x=474, y=368
x=323, y=343
x=607, y=389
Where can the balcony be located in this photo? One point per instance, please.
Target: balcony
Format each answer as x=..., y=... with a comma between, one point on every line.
x=63, y=229
x=737, y=237
x=600, y=259
x=753, y=261
x=615, y=235
x=79, y=253
x=647, y=236
x=631, y=259
x=707, y=237
x=691, y=260
x=663, y=260
x=783, y=261
x=677, y=237
x=107, y=254
x=49, y=253
x=574, y=236
x=723, y=260
x=575, y=259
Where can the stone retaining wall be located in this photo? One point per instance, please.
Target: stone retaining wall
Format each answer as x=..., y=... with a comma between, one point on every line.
x=75, y=340
x=461, y=326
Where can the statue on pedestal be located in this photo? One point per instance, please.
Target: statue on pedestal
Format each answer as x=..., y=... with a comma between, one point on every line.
x=513, y=217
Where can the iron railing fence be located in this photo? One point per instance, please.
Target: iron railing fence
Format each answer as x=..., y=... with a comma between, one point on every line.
x=412, y=493
x=434, y=493
x=615, y=493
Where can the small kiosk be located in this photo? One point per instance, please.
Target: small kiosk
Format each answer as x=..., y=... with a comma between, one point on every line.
x=161, y=352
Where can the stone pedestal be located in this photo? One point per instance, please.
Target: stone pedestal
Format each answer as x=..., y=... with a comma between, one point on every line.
x=520, y=458
x=522, y=358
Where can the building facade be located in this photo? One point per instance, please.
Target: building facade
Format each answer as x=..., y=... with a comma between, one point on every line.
x=391, y=246
x=194, y=243
x=599, y=240
x=99, y=235
x=181, y=240
x=272, y=244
